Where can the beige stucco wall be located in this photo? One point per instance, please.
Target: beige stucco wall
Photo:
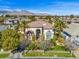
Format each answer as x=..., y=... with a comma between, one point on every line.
x=44, y=31
x=33, y=29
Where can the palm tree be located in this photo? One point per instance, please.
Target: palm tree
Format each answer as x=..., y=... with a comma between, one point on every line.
x=41, y=17
x=59, y=25
x=71, y=17
x=48, y=18
x=22, y=26
x=32, y=18
x=2, y=18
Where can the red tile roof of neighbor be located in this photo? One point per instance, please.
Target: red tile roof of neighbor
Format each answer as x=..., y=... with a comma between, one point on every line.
x=40, y=23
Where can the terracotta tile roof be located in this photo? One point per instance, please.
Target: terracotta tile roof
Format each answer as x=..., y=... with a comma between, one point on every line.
x=40, y=23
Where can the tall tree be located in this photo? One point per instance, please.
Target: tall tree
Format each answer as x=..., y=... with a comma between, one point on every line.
x=49, y=19
x=0, y=40
x=1, y=19
x=32, y=18
x=71, y=17
x=59, y=24
x=23, y=25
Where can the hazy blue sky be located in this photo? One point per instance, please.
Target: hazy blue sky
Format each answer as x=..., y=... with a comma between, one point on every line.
x=59, y=7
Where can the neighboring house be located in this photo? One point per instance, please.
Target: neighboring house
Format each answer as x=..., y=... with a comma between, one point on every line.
x=65, y=35
x=73, y=30
x=41, y=29
x=11, y=21
x=3, y=27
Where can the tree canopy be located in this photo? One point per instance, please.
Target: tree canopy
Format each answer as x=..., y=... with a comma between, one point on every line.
x=32, y=18
x=9, y=39
x=49, y=18
x=71, y=16
x=59, y=25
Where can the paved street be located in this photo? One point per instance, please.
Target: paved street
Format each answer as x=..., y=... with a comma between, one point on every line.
x=15, y=56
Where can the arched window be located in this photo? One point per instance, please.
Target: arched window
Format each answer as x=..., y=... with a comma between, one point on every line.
x=29, y=33
x=48, y=35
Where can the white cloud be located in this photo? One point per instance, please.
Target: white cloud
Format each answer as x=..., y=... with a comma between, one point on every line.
x=6, y=2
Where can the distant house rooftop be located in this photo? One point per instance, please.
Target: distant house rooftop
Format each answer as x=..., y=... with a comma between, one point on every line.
x=11, y=21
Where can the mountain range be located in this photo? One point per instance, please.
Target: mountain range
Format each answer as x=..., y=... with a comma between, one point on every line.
x=21, y=12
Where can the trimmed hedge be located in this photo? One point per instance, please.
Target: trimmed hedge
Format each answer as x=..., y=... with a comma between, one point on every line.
x=36, y=54
x=4, y=55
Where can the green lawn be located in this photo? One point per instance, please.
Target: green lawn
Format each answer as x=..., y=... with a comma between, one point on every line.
x=59, y=48
x=4, y=55
x=36, y=54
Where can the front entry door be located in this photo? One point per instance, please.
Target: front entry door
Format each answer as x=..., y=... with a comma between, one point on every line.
x=38, y=34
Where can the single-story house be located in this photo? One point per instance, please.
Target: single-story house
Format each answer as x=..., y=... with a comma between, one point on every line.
x=41, y=29
x=11, y=21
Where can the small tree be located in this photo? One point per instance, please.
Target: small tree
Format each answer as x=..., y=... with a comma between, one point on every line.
x=43, y=45
x=53, y=40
